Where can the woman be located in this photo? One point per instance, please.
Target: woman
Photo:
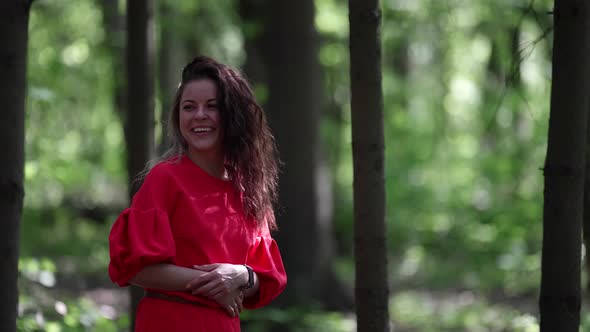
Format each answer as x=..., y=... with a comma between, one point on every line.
x=196, y=235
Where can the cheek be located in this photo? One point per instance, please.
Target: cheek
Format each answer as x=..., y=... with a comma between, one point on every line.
x=217, y=118
x=182, y=125
x=183, y=119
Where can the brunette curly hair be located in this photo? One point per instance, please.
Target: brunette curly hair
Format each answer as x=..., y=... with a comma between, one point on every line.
x=251, y=156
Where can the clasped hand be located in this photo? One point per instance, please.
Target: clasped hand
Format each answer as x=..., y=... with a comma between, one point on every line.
x=222, y=283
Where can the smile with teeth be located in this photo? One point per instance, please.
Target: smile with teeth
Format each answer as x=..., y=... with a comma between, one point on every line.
x=201, y=129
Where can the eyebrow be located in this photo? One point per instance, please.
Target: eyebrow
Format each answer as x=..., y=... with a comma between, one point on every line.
x=192, y=101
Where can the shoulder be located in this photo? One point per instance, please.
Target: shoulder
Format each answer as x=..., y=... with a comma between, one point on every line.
x=163, y=170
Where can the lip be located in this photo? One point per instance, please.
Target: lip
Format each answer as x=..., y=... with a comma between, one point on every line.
x=208, y=131
x=202, y=135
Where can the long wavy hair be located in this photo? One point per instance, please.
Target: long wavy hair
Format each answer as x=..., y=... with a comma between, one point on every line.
x=251, y=156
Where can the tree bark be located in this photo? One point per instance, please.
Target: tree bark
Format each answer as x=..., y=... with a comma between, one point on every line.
x=139, y=127
x=559, y=301
x=586, y=214
x=14, y=22
x=370, y=244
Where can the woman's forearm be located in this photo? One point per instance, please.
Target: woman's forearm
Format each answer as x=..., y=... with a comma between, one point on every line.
x=165, y=277
x=175, y=278
x=254, y=289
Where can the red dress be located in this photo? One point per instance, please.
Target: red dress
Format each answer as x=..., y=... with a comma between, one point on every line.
x=181, y=215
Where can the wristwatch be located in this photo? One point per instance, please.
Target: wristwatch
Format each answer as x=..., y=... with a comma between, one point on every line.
x=250, y=278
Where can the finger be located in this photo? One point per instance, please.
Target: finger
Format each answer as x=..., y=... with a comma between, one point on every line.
x=206, y=267
x=200, y=281
x=195, y=282
x=230, y=310
x=221, y=292
x=207, y=289
x=240, y=300
x=215, y=288
x=218, y=292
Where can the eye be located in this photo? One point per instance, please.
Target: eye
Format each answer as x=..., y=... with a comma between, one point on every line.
x=212, y=106
x=187, y=107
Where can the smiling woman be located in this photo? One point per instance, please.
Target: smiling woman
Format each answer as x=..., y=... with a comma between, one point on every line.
x=197, y=233
x=200, y=125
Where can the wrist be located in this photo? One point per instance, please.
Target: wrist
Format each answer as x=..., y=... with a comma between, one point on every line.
x=243, y=276
x=248, y=277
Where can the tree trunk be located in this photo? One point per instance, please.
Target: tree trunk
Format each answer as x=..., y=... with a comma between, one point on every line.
x=559, y=301
x=171, y=59
x=139, y=127
x=294, y=107
x=114, y=27
x=14, y=22
x=253, y=14
x=370, y=244
x=586, y=214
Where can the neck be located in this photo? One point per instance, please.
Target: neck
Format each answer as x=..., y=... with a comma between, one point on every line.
x=212, y=163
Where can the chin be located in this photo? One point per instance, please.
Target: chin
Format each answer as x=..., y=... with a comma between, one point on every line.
x=204, y=147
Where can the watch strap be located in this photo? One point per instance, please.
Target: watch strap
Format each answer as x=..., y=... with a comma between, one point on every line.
x=250, y=277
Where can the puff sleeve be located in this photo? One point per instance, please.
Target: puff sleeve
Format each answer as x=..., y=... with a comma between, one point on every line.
x=265, y=259
x=141, y=235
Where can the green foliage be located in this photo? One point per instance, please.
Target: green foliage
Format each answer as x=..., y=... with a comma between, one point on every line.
x=72, y=315
x=73, y=138
x=465, y=118
x=418, y=311
x=463, y=150
x=45, y=305
x=56, y=234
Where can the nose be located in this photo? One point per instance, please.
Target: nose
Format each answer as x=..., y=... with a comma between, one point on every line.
x=200, y=112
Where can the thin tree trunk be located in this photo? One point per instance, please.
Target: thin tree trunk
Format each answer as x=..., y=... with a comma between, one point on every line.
x=171, y=59
x=559, y=301
x=139, y=127
x=114, y=27
x=370, y=244
x=253, y=14
x=586, y=214
x=14, y=22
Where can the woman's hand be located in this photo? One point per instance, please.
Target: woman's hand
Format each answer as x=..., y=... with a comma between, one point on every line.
x=232, y=302
x=222, y=283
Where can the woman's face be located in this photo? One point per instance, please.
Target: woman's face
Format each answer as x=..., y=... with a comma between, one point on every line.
x=200, y=119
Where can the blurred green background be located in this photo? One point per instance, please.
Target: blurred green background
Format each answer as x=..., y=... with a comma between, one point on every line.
x=466, y=97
